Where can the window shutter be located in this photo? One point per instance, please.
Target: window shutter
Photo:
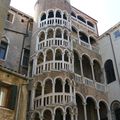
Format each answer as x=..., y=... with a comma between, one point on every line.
x=13, y=96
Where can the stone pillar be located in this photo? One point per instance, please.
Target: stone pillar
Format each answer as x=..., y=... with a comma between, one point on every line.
x=71, y=91
x=42, y=102
x=34, y=65
x=64, y=115
x=85, y=110
x=44, y=61
x=63, y=60
x=32, y=98
x=53, y=91
x=63, y=92
x=92, y=71
x=81, y=67
x=98, y=113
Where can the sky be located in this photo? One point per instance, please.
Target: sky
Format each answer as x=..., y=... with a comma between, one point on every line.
x=106, y=12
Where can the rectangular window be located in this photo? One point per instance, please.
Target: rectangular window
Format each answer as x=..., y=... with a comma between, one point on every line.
x=26, y=57
x=10, y=17
x=3, y=49
x=8, y=95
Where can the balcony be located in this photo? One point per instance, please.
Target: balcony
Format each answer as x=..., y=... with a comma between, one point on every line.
x=88, y=82
x=53, y=42
x=52, y=99
x=53, y=22
x=53, y=65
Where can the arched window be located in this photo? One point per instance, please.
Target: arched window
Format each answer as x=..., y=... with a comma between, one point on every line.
x=58, y=33
x=87, y=70
x=38, y=91
x=58, y=85
x=58, y=14
x=67, y=87
x=59, y=114
x=74, y=32
x=49, y=55
x=36, y=116
x=97, y=71
x=81, y=19
x=50, y=14
x=42, y=37
x=66, y=56
x=48, y=87
x=58, y=55
x=83, y=37
x=64, y=16
x=109, y=70
x=40, y=58
x=77, y=68
x=73, y=14
x=43, y=17
x=50, y=34
x=68, y=114
x=65, y=35
x=90, y=24
x=47, y=115
x=92, y=41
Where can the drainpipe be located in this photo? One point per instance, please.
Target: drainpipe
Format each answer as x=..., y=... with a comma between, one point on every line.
x=114, y=56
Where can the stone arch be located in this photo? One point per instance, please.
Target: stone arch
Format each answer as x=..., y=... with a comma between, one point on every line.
x=65, y=16
x=92, y=40
x=74, y=32
x=40, y=58
x=58, y=54
x=83, y=37
x=66, y=56
x=48, y=86
x=51, y=14
x=58, y=33
x=49, y=55
x=59, y=114
x=50, y=33
x=115, y=110
x=80, y=107
x=90, y=24
x=58, y=14
x=91, y=108
x=80, y=18
x=35, y=115
x=97, y=71
x=38, y=90
x=86, y=65
x=68, y=113
x=41, y=36
x=65, y=35
x=67, y=86
x=43, y=16
x=73, y=14
x=47, y=115
x=77, y=67
x=58, y=85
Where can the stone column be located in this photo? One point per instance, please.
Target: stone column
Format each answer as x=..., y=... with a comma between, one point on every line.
x=98, y=113
x=93, y=75
x=53, y=91
x=32, y=98
x=42, y=102
x=63, y=92
x=63, y=60
x=44, y=61
x=85, y=110
x=81, y=67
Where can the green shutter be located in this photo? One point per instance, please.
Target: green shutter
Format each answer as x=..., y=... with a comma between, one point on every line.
x=13, y=96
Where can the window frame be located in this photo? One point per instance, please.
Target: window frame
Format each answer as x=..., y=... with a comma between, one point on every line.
x=10, y=12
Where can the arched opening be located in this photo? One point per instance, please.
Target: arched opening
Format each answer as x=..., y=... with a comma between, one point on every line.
x=90, y=24
x=73, y=14
x=43, y=17
x=65, y=35
x=48, y=87
x=58, y=33
x=77, y=68
x=40, y=58
x=115, y=110
x=86, y=65
x=81, y=19
x=42, y=37
x=64, y=16
x=67, y=87
x=58, y=85
x=38, y=90
x=58, y=114
x=51, y=14
x=36, y=116
x=47, y=115
x=66, y=56
x=50, y=34
x=109, y=70
x=91, y=109
x=80, y=107
x=58, y=54
x=92, y=41
x=97, y=71
x=103, y=111
x=74, y=32
x=58, y=14
x=68, y=114
x=83, y=37
x=49, y=55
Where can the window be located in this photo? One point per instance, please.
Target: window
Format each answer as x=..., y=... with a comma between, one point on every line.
x=109, y=70
x=8, y=95
x=26, y=57
x=10, y=17
x=3, y=49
